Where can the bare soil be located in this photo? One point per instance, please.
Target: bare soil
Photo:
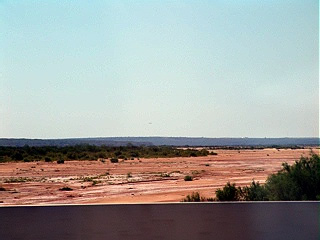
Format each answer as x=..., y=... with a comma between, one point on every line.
x=139, y=180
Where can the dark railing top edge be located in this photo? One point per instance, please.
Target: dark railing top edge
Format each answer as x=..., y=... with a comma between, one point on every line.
x=166, y=203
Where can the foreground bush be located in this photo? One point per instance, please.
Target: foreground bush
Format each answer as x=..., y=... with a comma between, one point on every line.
x=194, y=197
x=255, y=192
x=228, y=193
x=301, y=181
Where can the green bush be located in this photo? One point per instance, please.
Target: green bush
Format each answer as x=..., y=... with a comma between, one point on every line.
x=255, y=192
x=16, y=180
x=60, y=161
x=298, y=182
x=114, y=160
x=194, y=197
x=66, y=189
x=228, y=193
x=47, y=159
x=95, y=182
x=301, y=181
x=188, y=178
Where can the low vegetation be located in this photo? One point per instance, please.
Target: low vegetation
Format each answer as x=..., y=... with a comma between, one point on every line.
x=259, y=147
x=65, y=189
x=194, y=197
x=114, y=160
x=91, y=152
x=298, y=182
x=188, y=178
x=60, y=161
x=17, y=180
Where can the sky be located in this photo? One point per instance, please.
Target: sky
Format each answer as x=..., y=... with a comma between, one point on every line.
x=159, y=68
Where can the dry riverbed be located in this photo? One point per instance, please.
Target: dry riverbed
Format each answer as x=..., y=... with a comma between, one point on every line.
x=138, y=180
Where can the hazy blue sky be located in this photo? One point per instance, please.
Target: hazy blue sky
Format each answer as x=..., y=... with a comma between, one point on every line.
x=159, y=68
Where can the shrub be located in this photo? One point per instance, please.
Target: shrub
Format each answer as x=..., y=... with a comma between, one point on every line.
x=255, y=192
x=60, y=161
x=188, y=178
x=88, y=179
x=26, y=160
x=95, y=182
x=193, y=154
x=66, y=189
x=47, y=159
x=301, y=181
x=194, y=197
x=114, y=160
x=228, y=193
x=17, y=180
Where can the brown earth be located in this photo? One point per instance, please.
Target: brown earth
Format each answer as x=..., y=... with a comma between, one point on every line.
x=133, y=181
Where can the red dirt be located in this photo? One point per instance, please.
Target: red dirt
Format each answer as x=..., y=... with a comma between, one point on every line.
x=133, y=181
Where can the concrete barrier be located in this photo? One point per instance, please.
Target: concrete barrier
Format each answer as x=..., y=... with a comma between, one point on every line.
x=260, y=220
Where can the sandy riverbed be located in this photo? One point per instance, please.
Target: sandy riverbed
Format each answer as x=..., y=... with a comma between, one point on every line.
x=139, y=180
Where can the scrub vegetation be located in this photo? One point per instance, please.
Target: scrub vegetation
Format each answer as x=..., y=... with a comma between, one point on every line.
x=298, y=182
x=91, y=152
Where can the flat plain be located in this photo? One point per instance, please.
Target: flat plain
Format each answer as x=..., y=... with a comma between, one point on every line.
x=140, y=180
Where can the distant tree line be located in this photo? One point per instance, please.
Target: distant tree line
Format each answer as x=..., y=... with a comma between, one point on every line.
x=258, y=147
x=92, y=152
x=298, y=182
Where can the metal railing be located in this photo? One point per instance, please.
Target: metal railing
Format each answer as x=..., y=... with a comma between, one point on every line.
x=241, y=220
